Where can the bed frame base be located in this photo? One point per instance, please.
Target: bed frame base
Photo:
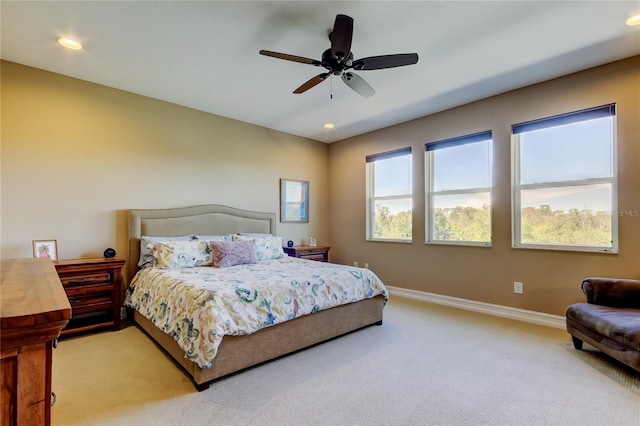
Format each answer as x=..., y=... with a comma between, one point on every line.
x=237, y=353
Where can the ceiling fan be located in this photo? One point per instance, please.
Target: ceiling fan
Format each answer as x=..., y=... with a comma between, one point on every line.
x=338, y=60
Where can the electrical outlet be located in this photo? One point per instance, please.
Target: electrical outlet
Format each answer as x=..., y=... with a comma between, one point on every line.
x=366, y=266
x=518, y=287
x=123, y=313
x=355, y=264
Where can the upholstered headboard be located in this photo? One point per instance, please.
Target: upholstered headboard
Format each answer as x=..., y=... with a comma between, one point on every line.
x=210, y=219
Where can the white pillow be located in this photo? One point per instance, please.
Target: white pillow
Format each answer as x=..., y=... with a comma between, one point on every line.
x=146, y=255
x=213, y=237
x=267, y=246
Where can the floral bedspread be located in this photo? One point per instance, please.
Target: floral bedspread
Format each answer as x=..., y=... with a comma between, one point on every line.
x=198, y=306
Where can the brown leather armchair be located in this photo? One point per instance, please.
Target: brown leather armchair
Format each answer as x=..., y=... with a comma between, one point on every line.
x=610, y=320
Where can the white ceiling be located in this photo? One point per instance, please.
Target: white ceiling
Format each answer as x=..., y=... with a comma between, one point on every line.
x=204, y=54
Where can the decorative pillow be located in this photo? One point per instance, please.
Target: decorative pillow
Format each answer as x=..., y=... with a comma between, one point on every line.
x=230, y=253
x=181, y=254
x=146, y=255
x=267, y=247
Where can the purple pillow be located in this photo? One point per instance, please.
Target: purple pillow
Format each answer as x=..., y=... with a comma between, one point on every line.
x=230, y=253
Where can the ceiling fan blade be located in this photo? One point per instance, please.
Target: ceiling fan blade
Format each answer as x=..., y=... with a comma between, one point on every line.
x=290, y=57
x=312, y=82
x=341, y=37
x=358, y=84
x=385, y=61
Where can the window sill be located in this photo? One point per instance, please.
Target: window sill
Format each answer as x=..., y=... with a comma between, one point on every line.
x=577, y=249
x=460, y=243
x=380, y=240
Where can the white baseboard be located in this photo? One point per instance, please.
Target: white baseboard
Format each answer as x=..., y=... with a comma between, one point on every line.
x=539, y=318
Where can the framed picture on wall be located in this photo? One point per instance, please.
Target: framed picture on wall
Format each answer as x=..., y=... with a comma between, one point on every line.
x=45, y=248
x=294, y=200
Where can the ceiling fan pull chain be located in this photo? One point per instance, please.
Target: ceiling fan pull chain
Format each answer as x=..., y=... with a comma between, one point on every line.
x=331, y=92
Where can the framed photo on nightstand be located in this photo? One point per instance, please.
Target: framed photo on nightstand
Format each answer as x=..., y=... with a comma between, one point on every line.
x=45, y=248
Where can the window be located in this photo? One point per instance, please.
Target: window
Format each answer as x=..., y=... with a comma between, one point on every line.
x=564, y=182
x=458, y=190
x=389, y=196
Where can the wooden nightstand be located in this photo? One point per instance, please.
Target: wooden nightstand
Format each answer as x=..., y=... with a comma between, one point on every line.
x=94, y=289
x=319, y=253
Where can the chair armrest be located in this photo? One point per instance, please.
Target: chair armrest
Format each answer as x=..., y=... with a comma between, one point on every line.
x=614, y=292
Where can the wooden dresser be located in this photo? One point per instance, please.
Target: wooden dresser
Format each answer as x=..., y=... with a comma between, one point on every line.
x=319, y=253
x=33, y=309
x=94, y=289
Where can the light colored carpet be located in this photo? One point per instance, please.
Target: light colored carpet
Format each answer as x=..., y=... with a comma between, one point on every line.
x=426, y=365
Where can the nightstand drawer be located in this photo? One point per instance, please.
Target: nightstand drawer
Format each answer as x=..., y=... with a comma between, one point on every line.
x=313, y=256
x=86, y=279
x=86, y=304
x=87, y=290
x=317, y=253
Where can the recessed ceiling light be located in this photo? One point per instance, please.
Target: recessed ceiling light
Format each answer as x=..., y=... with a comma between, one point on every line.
x=69, y=44
x=634, y=20
x=329, y=126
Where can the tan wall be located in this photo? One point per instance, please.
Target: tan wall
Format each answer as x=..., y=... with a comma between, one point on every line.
x=77, y=155
x=551, y=278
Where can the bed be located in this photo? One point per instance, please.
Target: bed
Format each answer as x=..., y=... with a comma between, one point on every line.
x=234, y=353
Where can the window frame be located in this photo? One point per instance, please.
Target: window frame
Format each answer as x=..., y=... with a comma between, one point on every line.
x=371, y=198
x=429, y=181
x=517, y=187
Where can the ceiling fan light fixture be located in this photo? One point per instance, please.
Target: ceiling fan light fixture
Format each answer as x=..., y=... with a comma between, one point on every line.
x=634, y=20
x=69, y=43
